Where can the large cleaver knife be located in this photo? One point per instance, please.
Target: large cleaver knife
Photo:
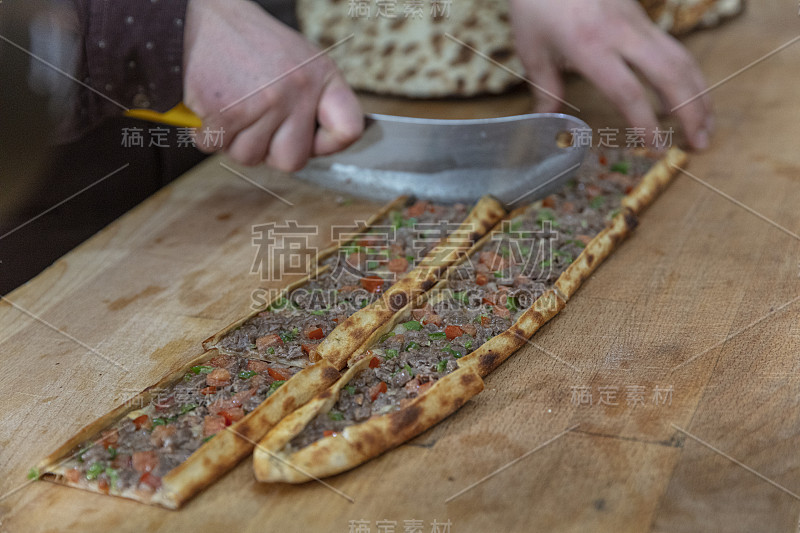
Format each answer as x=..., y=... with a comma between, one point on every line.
x=517, y=159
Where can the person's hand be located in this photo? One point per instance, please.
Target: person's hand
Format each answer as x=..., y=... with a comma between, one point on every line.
x=233, y=48
x=608, y=42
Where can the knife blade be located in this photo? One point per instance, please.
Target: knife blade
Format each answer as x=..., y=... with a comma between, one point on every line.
x=517, y=159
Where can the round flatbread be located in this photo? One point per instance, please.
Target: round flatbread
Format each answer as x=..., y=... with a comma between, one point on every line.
x=405, y=49
x=440, y=48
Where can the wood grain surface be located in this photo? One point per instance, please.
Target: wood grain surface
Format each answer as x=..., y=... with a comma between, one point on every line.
x=691, y=328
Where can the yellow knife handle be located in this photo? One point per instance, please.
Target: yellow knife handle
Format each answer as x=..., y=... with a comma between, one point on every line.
x=180, y=115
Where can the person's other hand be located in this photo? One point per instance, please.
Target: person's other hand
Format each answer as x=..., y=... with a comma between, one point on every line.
x=232, y=48
x=608, y=42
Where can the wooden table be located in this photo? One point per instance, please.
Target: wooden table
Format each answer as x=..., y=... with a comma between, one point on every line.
x=691, y=328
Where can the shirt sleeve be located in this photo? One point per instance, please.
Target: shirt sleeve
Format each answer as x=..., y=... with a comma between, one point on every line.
x=132, y=56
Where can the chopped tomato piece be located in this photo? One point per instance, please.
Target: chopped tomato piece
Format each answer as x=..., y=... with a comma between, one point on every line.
x=412, y=385
x=102, y=484
x=488, y=299
x=453, y=332
x=242, y=396
x=628, y=189
x=221, y=360
x=418, y=209
x=550, y=201
x=219, y=377
x=160, y=435
x=262, y=343
x=213, y=424
x=255, y=365
x=256, y=381
x=376, y=390
x=417, y=386
x=602, y=160
x=121, y=461
x=109, y=438
x=278, y=374
x=481, y=279
x=208, y=390
x=486, y=321
x=149, y=480
x=585, y=239
x=142, y=421
x=232, y=415
x=222, y=403
x=436, y=320
x=501, y=311
x=314, y=333
x=374, y=362
x=73, y=475
x=328, y=433
x=397, y=265
x=372, y=284
x=308, y=348
x=469, y=329
x=144, y=461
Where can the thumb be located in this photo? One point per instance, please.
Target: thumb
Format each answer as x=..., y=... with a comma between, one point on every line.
x=340, y=118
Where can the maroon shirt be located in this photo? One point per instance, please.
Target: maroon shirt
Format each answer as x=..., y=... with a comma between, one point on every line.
x=132, y=54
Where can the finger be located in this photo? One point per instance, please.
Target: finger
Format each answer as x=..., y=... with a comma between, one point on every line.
x=614, y=78
x=218, y=133
x=340, y=118
x=546, y=83
x=205, y=136
x=251, y=145
x=291, y=145
x=706, y=98
x=202, y=142
x=236, y=116
x=670, y=69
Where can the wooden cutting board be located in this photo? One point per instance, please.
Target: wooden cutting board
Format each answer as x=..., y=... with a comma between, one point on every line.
x=703, y=280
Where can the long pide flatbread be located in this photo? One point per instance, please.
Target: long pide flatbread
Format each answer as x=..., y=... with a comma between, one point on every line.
x=359, y=443
x=211, y=460
x=294, y=450
x=90, y=459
